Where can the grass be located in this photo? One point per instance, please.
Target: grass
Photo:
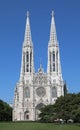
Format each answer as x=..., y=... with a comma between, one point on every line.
x=37, y=126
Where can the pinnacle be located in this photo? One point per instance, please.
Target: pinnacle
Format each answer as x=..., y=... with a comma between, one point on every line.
x=27, y=13
x=52, y=13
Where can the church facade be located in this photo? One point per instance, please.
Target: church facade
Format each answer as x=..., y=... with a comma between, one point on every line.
x=35, y=90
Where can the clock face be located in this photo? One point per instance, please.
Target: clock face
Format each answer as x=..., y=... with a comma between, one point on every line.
x=41, y=91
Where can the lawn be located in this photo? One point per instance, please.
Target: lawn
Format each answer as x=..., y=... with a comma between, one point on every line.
x=37, y=126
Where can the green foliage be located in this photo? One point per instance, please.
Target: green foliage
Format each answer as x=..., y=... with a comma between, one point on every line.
x=5, y=111
x=67, y=107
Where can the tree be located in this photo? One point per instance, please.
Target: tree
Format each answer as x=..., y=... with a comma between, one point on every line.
x=5, y=111
x=67, y=107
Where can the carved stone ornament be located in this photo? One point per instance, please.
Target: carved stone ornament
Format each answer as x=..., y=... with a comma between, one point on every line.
x=41, y=91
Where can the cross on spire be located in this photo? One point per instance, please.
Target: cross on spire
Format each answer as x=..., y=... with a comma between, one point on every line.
x=52, y=13
x=27, y=13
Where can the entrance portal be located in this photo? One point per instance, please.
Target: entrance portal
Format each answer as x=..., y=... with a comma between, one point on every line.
x=26, y=115
x=37, y=110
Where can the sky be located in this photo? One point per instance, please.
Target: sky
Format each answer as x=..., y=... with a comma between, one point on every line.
x=12, y=28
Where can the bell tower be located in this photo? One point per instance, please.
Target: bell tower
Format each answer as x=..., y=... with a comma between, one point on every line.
x=27, y=65
x=54, y=66
x=23, y=99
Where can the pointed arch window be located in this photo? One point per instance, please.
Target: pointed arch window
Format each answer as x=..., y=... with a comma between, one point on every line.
x=53, y=56
x=27, y=56
x=50, y=60
x=27, y=68
x=27, y=92
x=17, y=96
x=57, y=60
x=53, y=66
x=30, y=60
x=54, y=92
x=24, y=62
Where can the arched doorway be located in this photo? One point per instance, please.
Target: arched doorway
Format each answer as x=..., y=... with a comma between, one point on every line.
x=26, y=115
x=37, y=110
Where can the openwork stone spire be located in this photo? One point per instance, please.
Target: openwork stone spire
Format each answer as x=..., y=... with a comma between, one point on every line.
x=53, y=36
x=27, y=64
x=54, y=65
x=27, y=36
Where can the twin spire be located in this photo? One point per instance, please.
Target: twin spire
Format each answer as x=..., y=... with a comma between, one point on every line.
x=28, y=38
x=53, y=54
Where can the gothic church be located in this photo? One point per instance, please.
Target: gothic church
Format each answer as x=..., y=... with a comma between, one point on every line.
x=35, y=90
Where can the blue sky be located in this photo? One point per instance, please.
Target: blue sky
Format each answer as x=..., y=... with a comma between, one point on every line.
x=12, y=27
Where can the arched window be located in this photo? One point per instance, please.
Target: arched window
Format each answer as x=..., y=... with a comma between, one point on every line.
x=57, y=61
x=30, y=61
x=27, y=68
x=54, y=92
x=27, y=92
x=50, y=60
x=27, y=61
x=53, y=56
x=17, y=96
x=53, y=66
x=24, y=62
x=53, y=60
x=27, y=56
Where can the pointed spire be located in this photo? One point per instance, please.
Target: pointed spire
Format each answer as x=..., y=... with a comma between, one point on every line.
x=27, y=37
x=40, y=70
x=52, y=13
x=27, y=17
x=53, y=36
